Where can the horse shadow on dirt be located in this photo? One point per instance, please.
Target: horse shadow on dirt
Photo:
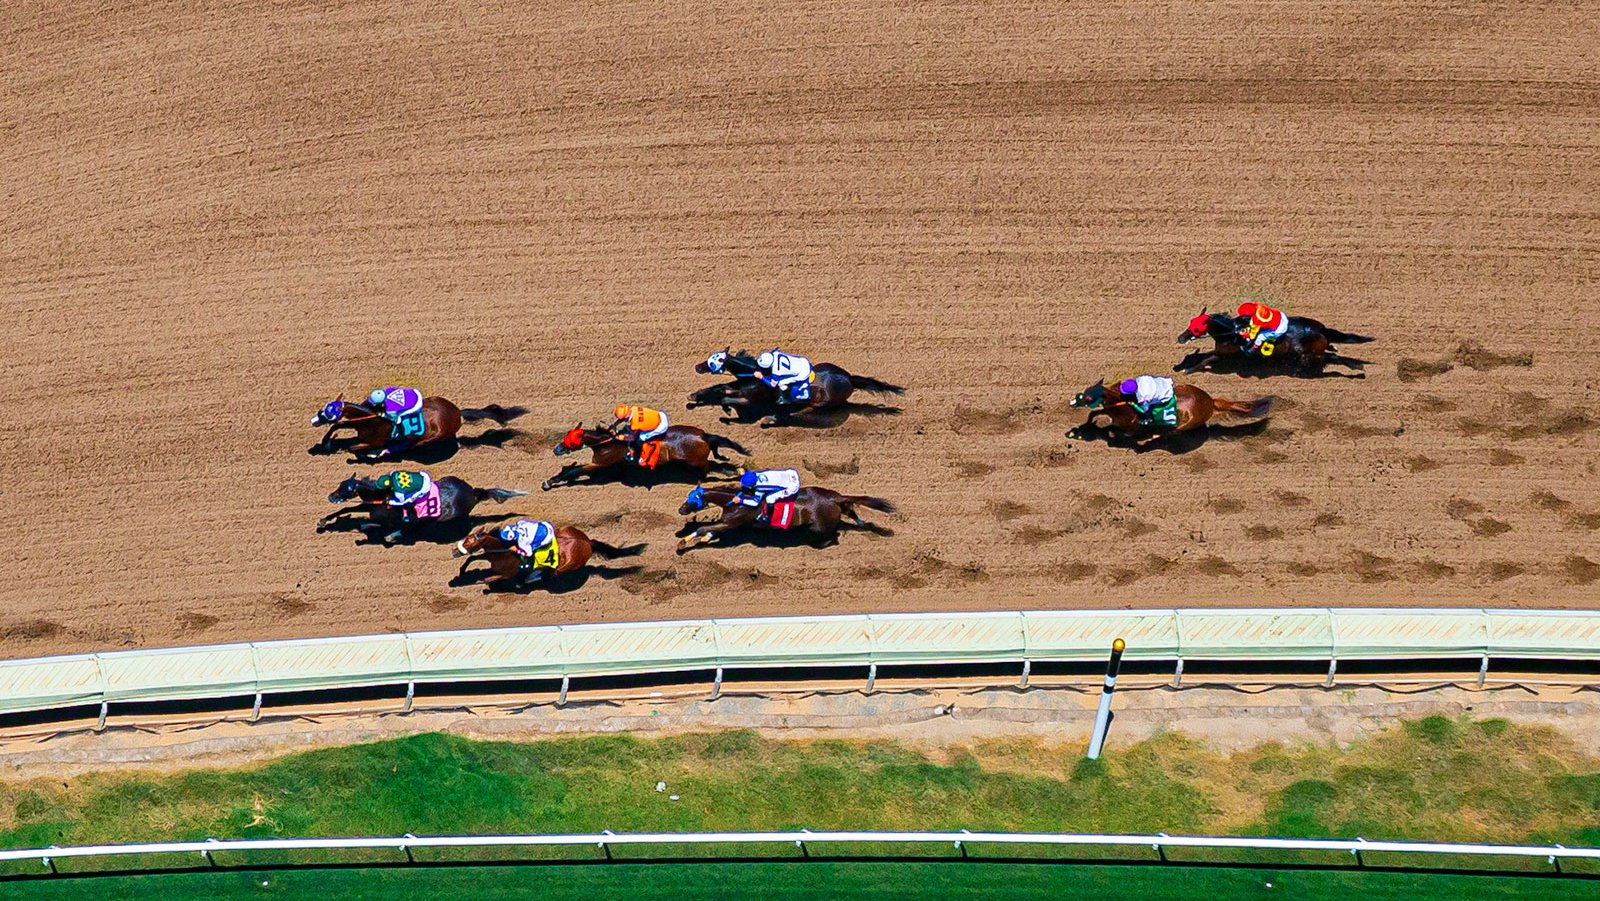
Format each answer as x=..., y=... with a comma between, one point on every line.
x=1253, y=368
x=821, y=419
x=423, y=454
x=564, y=583
x=763, y=537
x=631, y=476
x=1176, y=443
x=436, y=533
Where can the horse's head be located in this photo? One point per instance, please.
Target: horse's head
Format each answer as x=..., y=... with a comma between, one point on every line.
x=714, y=364
x=330, y=412
x=1092, y=398
x=348, y=490
x=695, y=502
x=486, y=538
x=1199, y=327
x=575, y=439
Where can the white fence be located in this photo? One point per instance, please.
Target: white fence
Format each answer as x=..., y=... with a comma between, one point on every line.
x=785, y=845
x=611, y=649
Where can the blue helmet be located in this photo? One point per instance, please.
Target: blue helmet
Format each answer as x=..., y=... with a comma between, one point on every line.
x=508, y=533
x=749, y=480
x=696, y=498
x=377, y=396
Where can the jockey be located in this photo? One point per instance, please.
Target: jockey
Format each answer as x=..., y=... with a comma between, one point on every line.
x=789, y=375
x=761, y=488
x=1264, y=326
x=407, y=488
x=395, y=401
x=641, y=423
x=528, y=537
x=1154, y=398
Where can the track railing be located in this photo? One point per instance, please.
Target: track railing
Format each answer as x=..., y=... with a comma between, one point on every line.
x=610, y=847
x=1257, y=637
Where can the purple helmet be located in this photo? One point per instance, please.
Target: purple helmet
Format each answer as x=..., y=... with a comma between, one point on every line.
x=1128, y=388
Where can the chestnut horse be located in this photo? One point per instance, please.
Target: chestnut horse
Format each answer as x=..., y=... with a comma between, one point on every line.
x=441, y=420
x=748, y=396
x=1195, y=410
x=456, y=499
x=1305, y=349
x=509, y=570
x=820, y=508
x=683, y=445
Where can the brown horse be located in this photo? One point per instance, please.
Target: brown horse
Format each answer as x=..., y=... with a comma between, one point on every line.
x=374, y=434
x=682, y=445
x=819, y=508
x=748, y=397
x=1195, y=410
x=510, y=570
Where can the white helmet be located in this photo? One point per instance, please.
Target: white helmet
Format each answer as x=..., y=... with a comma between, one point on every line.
x=717, y=361
x=766, y=359
x=377, y=396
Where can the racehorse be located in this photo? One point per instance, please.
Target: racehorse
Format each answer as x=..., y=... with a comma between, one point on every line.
x=819, y=508
x=684, y=445
x=508, y=569
x=441, y=420
x=1305, y=349
x=1195, y=410
x=747, y=396
x=456, y=500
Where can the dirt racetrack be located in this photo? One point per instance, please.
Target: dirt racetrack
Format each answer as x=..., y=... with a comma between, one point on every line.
x=218, y=216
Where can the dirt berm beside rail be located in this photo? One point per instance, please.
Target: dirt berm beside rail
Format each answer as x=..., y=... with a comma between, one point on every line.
x=217, y=218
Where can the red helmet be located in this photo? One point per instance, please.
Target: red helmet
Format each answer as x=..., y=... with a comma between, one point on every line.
x=1248, y=308
x=1265, y=316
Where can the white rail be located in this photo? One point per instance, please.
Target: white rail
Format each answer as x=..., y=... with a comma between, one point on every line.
x=957, y=840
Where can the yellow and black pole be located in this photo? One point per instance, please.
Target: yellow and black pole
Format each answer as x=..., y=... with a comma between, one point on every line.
x=1102, y=718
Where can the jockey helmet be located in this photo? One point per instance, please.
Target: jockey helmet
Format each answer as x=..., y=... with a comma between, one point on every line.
x=1265, y=316
x=377, y=396
x=749, y=480
x=1248, y=308
x=622, y=411
x=508, y=532
x=1128, y=387
x=766, y=359
x=717, y=361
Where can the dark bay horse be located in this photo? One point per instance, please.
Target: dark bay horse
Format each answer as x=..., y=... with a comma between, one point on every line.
x=1305, y=349
x=372, y=439
x=682, y=445
x=510, y=570
x=748, y=397
x=456, y=500
x=1196, y=409
x=819, y=508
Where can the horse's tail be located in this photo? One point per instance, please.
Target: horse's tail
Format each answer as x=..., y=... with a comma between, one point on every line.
x=1244, y=409
x=611, y=552
x=874, y=386
x=862, y=500
x=718, y=442
x=501, y=415
x=498, y=495
x=1338, y=337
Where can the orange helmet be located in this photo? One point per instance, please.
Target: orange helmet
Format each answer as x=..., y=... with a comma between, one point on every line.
x=623, y=411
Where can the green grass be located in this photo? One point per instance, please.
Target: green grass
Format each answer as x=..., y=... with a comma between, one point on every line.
x=1437, y=779
x=783, y=882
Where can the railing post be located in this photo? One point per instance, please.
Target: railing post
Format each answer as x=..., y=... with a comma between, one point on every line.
x=1360, y=861
x=605, y=847
x=1483, y=671
x=1027, y=668
x=716, y=685
x=1177, y=674
x=1333, y=667
x=407, y=848
x=1102, y=717
x=50, y=863
x=100, y=724
x=255, y=708
x=561, y=699
x=872, y=677
x=411, y=697
x=1160, y=851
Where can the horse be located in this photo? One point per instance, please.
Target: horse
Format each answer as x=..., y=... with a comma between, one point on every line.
x=509, y=570
x=441, y=421
x=820, y=508
x=684, y=445
x=1305, y=349
x=456, y=500
x=748, y=396
x=1195, y=410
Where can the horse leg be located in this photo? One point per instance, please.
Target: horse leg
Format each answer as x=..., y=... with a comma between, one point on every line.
x=1199, y=364
x=706, y=534
x=568, y=474
x=331, y=518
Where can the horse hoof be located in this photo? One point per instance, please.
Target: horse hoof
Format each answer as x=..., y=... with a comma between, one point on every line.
x=546, y=486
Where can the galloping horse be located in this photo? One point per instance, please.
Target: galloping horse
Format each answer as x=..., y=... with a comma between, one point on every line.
x=456, y=500
x=819, y=508
x=508, y=569
x=683, y=445
x=1195, y=409
x=1305, y=349
x=441, y=420
x=749, y=396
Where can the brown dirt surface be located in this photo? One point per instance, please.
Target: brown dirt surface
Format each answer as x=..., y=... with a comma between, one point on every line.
x=218, y=217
